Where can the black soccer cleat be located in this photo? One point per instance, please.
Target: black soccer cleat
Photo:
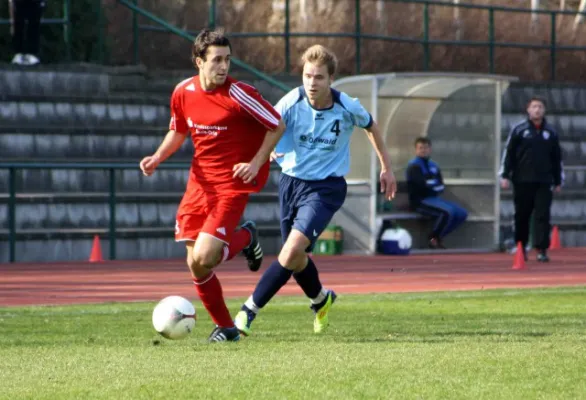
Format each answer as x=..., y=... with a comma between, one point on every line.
x=542, y=257
x=436, y=243
x=224, y=335
x=253, y=252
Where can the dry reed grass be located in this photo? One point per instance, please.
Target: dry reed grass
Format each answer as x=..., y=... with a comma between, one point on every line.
x=166, y=51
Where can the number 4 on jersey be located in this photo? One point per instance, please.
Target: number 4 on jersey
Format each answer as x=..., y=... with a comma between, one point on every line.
x=336, y=127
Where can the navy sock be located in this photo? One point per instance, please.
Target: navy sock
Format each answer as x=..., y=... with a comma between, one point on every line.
x=308, y=280
x=273, y=279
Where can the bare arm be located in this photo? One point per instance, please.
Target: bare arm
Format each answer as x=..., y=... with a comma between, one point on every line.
x=248, y=171
x=270, y=141
x=376, y=139
x=171, y=143
x=387, y=178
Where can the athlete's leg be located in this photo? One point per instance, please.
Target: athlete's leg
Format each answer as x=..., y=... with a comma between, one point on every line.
x=275, y=275
x=320, y=201
x=203, y=255
x=213, y=244
x=223, y=221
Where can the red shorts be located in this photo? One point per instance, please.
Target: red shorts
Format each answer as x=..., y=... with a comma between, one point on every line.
x=215, y=214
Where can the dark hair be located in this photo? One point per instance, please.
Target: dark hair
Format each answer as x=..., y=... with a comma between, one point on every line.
x=205, y=39
x=422, y=140
x=537, y=98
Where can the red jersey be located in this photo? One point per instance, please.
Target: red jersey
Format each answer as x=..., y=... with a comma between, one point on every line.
x=227, y=126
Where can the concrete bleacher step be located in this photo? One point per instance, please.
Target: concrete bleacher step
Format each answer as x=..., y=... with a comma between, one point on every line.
x=98, y=142
x=85, y=112
x=563, y=98
x=571, y=127
x=463, y=121
x=84, y=80
x=76, y=245
x=133, y=211
x=48, y=81
x=89, y=80
x=465, y=153
x=131, y=143
x=87, y=180
x=571, y=211
x=73, y=180
x=573, y=150
x=571, y=235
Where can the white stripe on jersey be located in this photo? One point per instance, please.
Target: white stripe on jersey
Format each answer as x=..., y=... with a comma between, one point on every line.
x=183, y=82
x=256, y=107
x=252, y=105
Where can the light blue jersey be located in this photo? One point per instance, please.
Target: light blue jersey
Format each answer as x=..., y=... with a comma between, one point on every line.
x=316, y=143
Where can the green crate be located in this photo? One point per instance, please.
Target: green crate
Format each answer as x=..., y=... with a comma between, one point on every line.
x=330, y=242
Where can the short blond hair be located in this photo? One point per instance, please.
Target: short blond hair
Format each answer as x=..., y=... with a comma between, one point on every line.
x=320, y=55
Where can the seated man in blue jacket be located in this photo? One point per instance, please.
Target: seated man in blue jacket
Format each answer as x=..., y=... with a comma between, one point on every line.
x=425, y=184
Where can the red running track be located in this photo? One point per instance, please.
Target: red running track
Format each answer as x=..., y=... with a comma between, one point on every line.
x=62, y=283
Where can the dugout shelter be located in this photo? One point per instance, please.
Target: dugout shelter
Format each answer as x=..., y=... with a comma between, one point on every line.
x=461, y=114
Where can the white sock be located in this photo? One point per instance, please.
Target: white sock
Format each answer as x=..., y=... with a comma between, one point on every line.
x=251, y=306
x=320, y=297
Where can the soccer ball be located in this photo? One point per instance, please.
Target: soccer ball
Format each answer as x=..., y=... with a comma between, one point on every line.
x=174, y=317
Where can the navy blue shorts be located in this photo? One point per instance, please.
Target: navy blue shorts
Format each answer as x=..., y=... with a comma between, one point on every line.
x=309, y=206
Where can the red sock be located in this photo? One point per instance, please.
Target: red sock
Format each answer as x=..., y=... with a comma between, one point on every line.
x=240, y=239
x=210, y=293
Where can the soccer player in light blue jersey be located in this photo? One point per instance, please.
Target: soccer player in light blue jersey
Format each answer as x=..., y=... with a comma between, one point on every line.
x=314, y=156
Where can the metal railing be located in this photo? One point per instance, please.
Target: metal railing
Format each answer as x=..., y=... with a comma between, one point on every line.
x=357, y=34
x=109, y=168
x=425, y=41
x=165, y=26
x=65, y=21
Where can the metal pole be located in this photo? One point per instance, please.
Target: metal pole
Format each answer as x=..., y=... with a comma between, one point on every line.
x=101, y=56
x=426, y=55
x=553, y=40
x=135, y=33
x=212, y=14
x=497, y=150
x=67, y=27
x=373, y=169
x=287, y=37
x=491, y=40
x=12, y=214
x=112, y=203
x=357, y=13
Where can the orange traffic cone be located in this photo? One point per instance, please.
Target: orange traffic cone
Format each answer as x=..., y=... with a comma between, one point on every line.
x=555, y=243
x=519, y=260
x=96, y=254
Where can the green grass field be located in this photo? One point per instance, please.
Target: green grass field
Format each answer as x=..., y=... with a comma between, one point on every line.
x=501, y=344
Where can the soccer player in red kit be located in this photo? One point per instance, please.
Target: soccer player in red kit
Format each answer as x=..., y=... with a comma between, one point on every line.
x=233, y=130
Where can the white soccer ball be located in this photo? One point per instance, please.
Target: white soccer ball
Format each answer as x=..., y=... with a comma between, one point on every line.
x=174, y=317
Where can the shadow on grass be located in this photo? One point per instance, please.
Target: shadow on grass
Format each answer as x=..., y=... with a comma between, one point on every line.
x=448, y=337
x=492, y=333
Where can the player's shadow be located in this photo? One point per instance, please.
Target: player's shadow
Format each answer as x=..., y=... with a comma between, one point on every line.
x=449, y=337
x=493, y=333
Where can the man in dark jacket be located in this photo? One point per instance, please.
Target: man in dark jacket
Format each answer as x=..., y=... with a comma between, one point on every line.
x=425, y=184
x=532, y=161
